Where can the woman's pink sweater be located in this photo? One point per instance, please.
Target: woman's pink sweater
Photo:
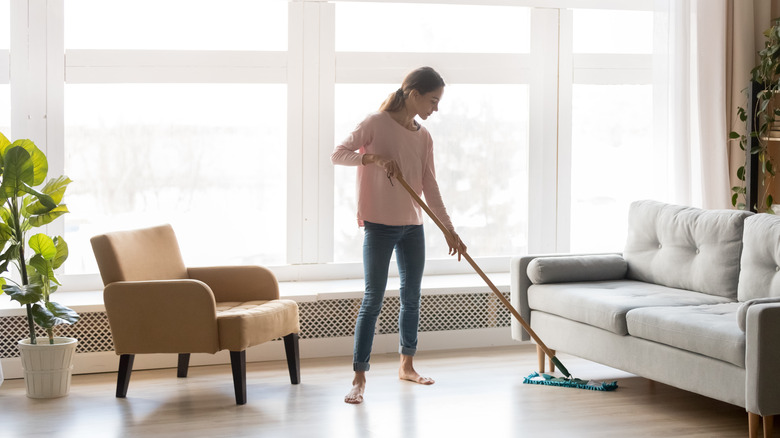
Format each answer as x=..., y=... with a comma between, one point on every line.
x=378, y=200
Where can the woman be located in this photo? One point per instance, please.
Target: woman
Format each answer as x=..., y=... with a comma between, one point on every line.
x=387, y=144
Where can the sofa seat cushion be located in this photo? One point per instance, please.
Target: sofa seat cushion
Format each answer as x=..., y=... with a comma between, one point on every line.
x=710, y=330
x=242, y=325
x=604, y=304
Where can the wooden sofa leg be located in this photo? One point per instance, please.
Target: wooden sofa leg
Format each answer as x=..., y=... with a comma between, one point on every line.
x=752, y=425
x=540, y=358
x=293, y=357
x=550, y=363
x=769, y=425
x=184, y=364
x=238, y=365
x=123, y=376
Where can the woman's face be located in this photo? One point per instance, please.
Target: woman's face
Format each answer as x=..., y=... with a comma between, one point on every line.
x=426, y=104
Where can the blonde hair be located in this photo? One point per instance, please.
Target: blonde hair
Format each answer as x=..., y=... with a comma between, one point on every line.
x=423, y=79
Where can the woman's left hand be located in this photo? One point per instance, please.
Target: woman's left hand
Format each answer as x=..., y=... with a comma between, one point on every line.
x=455, y=244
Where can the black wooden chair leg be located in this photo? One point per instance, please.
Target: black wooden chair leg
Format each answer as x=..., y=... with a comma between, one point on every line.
x=123, y=377
x=238, y=365
x=184, y=363
x=293, y=357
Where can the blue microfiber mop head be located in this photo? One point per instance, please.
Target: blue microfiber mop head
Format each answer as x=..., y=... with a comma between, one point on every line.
x=569, y=382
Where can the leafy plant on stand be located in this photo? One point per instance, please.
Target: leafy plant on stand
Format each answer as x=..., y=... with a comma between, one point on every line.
x=767, y=75
x=26, y=206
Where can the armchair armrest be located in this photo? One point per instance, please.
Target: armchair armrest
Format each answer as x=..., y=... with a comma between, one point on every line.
x=238, y=283
x=520, y=282
x=162, y=316
x=762, y=359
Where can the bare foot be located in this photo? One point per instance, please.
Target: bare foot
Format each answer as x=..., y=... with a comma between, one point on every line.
x=355, y=395
x=412, y=376
x=407, y=372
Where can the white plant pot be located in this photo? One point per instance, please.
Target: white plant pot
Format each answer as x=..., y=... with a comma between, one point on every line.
x=47, y=367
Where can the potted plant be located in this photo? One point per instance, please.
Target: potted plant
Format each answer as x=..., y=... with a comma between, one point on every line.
x=761, y=122
x=24, y=206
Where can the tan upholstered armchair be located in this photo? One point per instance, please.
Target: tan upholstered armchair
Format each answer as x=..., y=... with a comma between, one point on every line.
x=157, y=305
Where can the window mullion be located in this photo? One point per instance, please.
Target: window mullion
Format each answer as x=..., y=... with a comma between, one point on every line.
x=543, y=133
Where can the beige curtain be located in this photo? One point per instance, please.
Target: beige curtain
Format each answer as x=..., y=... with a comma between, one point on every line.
x=746, y=22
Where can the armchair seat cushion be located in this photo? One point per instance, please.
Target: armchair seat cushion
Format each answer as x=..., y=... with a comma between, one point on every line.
x=245, y=324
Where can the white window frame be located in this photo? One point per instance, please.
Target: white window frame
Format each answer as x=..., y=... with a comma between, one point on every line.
x=310, y=68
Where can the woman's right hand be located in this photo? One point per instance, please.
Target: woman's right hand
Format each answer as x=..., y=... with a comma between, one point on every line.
x=390, y=166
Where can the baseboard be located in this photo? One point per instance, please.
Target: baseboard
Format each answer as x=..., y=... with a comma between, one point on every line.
x=108, y=361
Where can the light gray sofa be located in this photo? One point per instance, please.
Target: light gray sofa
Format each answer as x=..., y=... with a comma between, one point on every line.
x=693, y=301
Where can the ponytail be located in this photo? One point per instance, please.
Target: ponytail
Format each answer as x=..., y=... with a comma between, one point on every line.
x=394, y=102
x=423, y=79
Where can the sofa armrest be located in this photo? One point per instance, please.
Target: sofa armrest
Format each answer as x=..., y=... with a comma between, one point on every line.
x=762, y=359
x=238, y=283
x=162, y=316
x=520, y=282
x=743, y=309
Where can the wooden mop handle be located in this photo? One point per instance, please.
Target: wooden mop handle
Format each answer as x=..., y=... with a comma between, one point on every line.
x=479, y=271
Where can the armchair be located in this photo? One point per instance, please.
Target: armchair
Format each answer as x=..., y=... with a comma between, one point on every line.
x=157, y=305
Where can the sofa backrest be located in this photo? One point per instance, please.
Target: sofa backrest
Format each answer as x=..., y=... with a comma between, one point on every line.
x=760, y=273
x=685, y=247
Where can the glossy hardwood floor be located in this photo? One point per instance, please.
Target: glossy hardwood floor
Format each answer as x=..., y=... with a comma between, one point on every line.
x=478, y=393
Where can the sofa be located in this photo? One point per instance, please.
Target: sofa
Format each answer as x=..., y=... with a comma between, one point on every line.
x=693, y=301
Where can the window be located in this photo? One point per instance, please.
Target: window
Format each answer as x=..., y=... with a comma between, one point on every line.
x=374, y=27
x=220, y=121
x=176, y=25
x=483, y=121
x=613, y=156
x=207, y=158
x=612, y=136
x=181, y=123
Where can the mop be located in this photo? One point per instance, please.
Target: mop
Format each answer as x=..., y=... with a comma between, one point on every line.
x=535, y=378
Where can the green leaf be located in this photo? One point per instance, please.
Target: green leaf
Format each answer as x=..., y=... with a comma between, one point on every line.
x=43, y=245
x=741, y=173
x=47, y=218
x=53, y=314
x=55, y=188
x=4, y=145
x=20, y=174
x=734, y=198
x=17, y=171
x=28, y=294
x=6, y=233
x=733, y=134
x=769, y=201
x=43, y=268
x=39, y=161
x=62, y=252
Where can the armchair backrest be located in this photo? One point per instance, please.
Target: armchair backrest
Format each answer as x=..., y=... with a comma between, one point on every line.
x=139, y=255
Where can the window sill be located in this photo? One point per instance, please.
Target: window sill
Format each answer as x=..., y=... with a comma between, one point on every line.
x=302, y=291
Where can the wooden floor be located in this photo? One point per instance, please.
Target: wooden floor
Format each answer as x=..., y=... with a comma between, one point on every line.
x=478, y=393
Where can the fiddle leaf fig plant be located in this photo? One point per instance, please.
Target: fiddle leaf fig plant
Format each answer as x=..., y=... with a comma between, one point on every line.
x=24, y=205
x=767, y=75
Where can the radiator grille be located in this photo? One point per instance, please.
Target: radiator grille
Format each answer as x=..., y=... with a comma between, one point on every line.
x=319, y=319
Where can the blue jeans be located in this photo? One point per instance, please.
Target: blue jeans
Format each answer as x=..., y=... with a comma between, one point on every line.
x=379, y=241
